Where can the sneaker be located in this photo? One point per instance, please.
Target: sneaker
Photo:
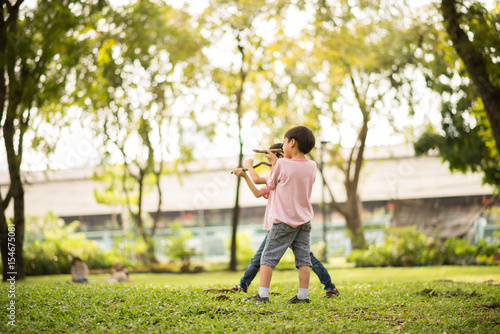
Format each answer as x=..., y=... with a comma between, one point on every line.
x=257, y=298
x=238, y=288
x=296, y=300
x=332, y=293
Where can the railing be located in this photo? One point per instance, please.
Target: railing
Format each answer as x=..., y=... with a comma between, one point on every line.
x=212, y=242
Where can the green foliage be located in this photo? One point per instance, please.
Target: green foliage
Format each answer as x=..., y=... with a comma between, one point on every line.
x=407, y=247
x=245, y=250
x=116, y=183
x=466, y=140
x=139, y=89
x=129, y=246
x=51, y=245
x=318, y=249
x=381, y=300
x=41, y=44
x=177, y=248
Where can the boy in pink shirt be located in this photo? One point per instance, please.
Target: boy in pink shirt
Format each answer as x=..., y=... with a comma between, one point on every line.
x=289, y=211
x=254, y=266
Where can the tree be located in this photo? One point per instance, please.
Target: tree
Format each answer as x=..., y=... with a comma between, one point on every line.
x=364, y=50
x=137, y=94
x=478, y=55
x=239, y=22
x=39, y=47
x=466, y=139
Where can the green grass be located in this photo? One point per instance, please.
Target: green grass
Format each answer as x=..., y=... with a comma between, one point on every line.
x=381, y=300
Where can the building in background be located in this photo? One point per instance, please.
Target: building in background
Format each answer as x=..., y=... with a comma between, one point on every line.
x=396, y=189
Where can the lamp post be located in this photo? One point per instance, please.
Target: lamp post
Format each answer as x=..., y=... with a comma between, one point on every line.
x=323, y=205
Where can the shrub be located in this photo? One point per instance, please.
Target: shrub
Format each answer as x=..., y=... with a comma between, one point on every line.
x=53, y=251
x=245, y=251
x=459, y=251
x=407, y=247
x=177, y=248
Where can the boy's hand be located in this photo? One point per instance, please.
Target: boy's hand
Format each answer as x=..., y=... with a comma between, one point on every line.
x=239, y=172
x=272, y=157
x=249, y=163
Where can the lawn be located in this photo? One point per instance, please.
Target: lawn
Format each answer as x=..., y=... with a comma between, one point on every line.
x=373, y=300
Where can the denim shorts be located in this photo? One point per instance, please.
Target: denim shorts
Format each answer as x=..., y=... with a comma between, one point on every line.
x=280, y=237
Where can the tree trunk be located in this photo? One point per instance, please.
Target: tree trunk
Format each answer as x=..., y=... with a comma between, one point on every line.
x=236, y=210
x=233, y=263
x=234, y=224
x=12, y=238
x=353, y=207
x=14, y=264
x=149, y=254
x=4, y=244
x=150, y=251
x=354, y=223
x=475, y=65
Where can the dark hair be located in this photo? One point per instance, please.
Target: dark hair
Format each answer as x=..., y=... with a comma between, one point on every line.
x=275, y=146
x=76, y=258
x=303, y=136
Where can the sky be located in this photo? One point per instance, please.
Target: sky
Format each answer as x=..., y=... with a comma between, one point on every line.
x=76, y=147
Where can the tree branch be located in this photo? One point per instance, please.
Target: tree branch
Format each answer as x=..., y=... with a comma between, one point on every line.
x=6, y=200
x=472, y=59
x=333, y=203
x=365, y=111
x=475, y=65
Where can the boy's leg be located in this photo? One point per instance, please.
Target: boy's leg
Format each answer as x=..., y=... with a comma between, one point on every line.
x=253, y=267
x=304, y=276
x=323, y=275
x=272, y=253
x=279, y=239
x=266, y=273
x=301, y=250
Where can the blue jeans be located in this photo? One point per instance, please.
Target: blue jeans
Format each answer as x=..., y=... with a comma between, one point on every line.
x=254, y=267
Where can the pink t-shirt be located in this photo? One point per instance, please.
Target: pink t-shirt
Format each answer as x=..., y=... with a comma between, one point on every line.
x=265, y=188
x=289, y=200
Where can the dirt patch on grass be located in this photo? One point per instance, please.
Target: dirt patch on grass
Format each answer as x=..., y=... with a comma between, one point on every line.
x=449, y=294
x=489, y=282
x=492, y=306
x=219, y=290
x=213, y=311
x=365, y=315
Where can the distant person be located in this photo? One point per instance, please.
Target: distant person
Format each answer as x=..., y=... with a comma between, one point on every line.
x=121, y=268
x=119, y=274
x=79, y=271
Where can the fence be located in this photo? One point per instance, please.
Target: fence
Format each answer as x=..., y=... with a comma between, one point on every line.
x=212, y=242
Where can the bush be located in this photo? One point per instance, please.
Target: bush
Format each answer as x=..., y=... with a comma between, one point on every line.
x=177, y=248
x=245, y=251
x=406, y=247
x=53, y=252
x=459, y=251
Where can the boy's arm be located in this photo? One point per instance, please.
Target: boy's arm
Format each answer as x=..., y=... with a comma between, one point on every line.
x=271, y=181
x=272, y=159
x=257, y=192
x=256, y=178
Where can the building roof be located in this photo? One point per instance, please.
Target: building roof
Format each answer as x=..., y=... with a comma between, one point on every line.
x=388, y=173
